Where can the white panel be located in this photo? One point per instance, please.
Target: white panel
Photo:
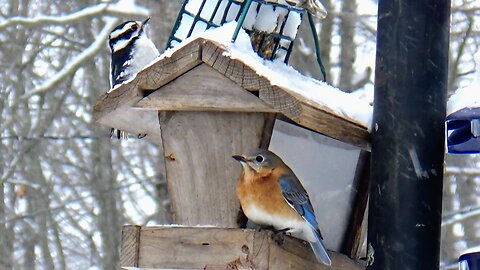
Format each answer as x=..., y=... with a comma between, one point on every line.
x=326, y=168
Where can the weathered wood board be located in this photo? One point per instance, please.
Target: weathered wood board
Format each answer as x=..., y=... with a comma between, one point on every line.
x=219, y=248
x=203, y=89
x=291, y=104
x=201, y=173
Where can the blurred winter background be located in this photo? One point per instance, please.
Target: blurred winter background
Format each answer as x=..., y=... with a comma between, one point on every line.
x=66, y=188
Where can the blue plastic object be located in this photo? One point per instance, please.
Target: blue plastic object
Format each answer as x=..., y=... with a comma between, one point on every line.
x=463, y=131
x=469, y=261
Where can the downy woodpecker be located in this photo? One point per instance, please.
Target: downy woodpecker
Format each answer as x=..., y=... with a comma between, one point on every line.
x=131, y=50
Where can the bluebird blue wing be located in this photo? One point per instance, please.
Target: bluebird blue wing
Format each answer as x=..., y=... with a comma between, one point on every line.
x=297, y=197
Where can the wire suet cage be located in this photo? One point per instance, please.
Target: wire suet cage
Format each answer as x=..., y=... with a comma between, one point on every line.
x=272, y=26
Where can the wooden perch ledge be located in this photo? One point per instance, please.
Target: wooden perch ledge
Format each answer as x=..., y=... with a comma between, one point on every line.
x=218, y=248
x=200, y=76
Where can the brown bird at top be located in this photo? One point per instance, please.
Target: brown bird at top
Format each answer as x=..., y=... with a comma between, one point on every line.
x=315, y=7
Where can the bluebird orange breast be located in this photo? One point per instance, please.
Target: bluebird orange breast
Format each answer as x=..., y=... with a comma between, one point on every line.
x=262, y=201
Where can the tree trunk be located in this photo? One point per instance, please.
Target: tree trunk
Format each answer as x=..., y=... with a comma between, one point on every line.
x=326, y=32
x=6, y=232
x=107, y=198
x=347, y=47
x=103, y=179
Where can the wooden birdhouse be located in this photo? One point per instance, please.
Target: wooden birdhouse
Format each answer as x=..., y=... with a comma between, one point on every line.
x=204, y=102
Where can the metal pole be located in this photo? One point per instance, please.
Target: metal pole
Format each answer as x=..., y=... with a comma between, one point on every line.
x=408, y=134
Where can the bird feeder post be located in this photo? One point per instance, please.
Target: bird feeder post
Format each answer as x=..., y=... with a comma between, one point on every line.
x=408, y=139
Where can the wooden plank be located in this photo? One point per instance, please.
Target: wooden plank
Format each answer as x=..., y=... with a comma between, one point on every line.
x=261, y=249
x=115, y=109
x=170, y=67
x=296, y=107
x=223, y=248
x=203, y=89
x=193, y=248
x=201, y=173
x=211, y=53
x=355, y=234
x=331, y=125
x=281, y=100
x=297, y=254
x=138, y=123
x=130, y=245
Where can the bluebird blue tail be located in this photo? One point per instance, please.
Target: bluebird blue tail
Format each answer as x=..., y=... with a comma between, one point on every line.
x=319, y=250
x=297, y=198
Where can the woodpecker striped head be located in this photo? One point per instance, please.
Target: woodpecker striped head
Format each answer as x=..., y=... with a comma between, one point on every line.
x=125, y=34
x=131, y=50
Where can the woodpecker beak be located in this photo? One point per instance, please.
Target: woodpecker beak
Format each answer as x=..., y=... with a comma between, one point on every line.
x=240, y=158
x=145, y=22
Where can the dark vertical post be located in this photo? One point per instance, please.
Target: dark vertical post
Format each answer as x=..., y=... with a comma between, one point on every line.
x=408, y=133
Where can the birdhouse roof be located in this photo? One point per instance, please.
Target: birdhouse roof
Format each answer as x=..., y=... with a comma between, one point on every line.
x=207, y=73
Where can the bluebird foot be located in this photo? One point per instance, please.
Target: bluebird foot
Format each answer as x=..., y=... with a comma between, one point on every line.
x=279, y=238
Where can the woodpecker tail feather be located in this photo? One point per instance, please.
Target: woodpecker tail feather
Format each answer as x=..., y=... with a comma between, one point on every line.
x=119, y=134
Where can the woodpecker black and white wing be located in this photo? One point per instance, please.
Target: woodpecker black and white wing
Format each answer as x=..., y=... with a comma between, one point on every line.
x=120, y=66
x=131, y=51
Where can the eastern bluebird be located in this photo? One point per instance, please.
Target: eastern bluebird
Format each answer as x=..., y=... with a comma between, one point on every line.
x=271, y=195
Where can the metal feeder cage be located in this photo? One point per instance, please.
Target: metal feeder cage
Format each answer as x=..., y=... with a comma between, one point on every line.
x=271, y=39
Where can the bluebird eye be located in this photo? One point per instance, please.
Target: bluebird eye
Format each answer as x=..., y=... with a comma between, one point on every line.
x=134, y=27
x=259, y=158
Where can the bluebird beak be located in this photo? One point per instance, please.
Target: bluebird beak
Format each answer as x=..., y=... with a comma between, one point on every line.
x=240, y=158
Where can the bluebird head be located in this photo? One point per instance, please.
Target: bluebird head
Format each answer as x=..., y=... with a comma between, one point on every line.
x=126, y=33
x=259, y=160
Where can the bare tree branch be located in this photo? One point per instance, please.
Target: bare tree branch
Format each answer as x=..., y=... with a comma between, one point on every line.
x=73, y=65
x=97, y=10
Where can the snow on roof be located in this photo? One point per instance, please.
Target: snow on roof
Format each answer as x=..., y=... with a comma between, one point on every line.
x=282, y=75
x=468, y=96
